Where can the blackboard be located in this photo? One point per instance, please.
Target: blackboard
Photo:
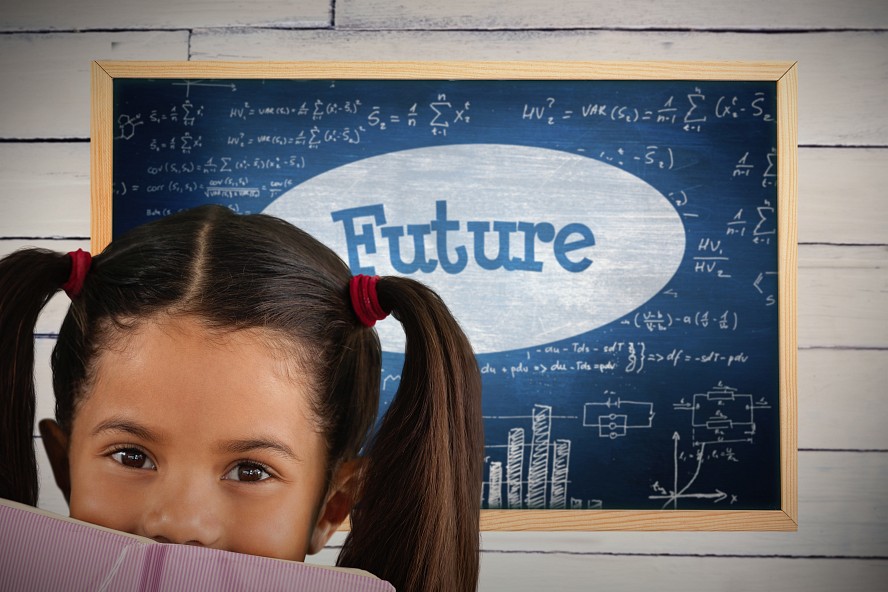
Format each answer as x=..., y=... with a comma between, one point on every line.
x=618, y=241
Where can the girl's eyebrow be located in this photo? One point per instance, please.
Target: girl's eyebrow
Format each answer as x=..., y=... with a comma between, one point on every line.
x=119, y=424
x=259, y=443
x=127, y=426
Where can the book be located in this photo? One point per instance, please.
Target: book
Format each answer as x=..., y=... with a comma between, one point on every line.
x=42, y=551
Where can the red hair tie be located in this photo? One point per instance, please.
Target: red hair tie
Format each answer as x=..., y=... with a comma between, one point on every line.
x=362, y=289
x=80, y=262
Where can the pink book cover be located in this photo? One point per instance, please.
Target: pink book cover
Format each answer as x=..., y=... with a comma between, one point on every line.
x=43, y=551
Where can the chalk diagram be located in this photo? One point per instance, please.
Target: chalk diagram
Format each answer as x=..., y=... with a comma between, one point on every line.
x=720, y=417
x=533, y=486
x=127, y=126
x=618, y=418
x=542, y=481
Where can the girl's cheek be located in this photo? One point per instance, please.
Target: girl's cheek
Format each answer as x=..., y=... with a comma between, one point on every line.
x=104, y=506
x=272, y=529
x=105, y=501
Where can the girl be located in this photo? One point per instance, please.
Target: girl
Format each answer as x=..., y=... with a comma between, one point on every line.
x=216, y=381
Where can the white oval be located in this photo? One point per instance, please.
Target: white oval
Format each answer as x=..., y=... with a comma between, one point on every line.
x=639, y=237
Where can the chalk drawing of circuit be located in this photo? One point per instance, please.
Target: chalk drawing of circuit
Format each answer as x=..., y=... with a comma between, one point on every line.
x=720, y=416
x=614, y=418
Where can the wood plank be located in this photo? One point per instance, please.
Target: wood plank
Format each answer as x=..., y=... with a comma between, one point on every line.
x=840, y=199
x=836, y=518
x=465, y=70
x=517, y=570
x=842, y=400
x=843, y=296
x=46, y=77
x=830, y=63
x=841, y=196
x=83, y=15
x=631, y=14
x=841, y=507
x=101, y=144
x=520, y=572
x=787, y=284
x=44, y=189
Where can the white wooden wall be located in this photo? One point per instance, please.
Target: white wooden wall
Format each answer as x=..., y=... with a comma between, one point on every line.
x=842, y=49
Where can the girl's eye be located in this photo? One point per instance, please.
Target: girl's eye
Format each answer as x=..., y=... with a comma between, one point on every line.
x=249, y=472
x=133, y=458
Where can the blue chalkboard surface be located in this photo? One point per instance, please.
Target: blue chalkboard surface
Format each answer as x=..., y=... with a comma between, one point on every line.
x=610, y=246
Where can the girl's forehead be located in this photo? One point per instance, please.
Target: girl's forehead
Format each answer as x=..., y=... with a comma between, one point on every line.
x=177, y=371
x=163, y=339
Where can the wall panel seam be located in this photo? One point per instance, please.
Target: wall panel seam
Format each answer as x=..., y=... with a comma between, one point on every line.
x=346, y=29
x=716, y=30
x=11, y=33
x=666, y=555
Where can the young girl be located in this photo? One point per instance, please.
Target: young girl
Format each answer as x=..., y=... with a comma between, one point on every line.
x=216, y=380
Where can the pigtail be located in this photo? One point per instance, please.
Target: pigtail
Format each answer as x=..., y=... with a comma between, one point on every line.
x=28, y=279
x=416, y=522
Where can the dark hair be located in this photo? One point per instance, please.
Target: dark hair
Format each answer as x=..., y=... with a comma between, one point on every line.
x=236, y=272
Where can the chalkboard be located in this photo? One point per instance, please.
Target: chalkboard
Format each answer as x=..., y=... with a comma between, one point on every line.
x=618, y=241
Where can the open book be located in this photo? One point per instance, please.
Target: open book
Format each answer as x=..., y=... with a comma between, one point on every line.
x=41, y=551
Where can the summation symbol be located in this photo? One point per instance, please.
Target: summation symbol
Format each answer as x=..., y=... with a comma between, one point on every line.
x=693, y=120
x=770, y=174
x=765, y=228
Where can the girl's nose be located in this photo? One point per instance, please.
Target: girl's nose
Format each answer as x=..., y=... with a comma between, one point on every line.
x=183, y=511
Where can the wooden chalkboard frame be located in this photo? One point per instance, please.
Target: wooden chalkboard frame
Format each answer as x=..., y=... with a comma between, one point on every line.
x=783, y=73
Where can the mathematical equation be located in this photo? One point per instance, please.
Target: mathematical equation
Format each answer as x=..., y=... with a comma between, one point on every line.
x=630, y=357
x=690, y=111
x=298, y=124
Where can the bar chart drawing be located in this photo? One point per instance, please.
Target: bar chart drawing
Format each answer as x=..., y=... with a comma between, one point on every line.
x=515, y=468
x=537, y=467
x=539, y=457
x=495, y=495
x=560, y=463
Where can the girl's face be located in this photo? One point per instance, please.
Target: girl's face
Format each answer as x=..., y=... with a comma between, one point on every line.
x=204, y=438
